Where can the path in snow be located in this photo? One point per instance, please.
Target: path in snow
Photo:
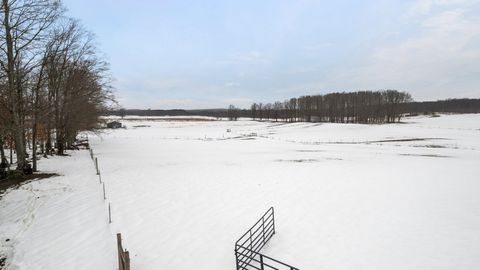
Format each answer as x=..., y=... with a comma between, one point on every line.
x=59, y=222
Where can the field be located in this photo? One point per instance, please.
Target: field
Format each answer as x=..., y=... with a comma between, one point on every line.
x=346, y=196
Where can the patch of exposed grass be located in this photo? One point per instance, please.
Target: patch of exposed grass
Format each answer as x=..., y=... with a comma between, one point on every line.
x=16, y=179
x=425, y=155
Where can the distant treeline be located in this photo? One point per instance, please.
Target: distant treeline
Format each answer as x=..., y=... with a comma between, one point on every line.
x=464, y=105
x=175, y=112
x=357, y=107
x=353, y=107
x=139, y=112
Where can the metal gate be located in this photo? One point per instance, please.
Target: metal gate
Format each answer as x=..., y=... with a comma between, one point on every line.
x=247, y=248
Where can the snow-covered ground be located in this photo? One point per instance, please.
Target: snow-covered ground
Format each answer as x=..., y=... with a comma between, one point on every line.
x=59, y=222
x=346, y=196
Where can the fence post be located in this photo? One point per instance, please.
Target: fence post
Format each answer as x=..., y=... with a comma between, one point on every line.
x=263, y=230
x=104, y=197
x=96, y=165
x=236, y=257
x=127, y=260
x=99, y=178
x=251, y=250
x=261, y=261
x=273, y=220
x=123, y=256
x=119, y=252
x=109, y=214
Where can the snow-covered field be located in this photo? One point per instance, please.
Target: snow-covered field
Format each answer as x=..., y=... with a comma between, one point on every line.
x=346, y=196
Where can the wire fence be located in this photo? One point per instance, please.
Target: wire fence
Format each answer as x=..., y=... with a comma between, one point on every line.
x=123, y=254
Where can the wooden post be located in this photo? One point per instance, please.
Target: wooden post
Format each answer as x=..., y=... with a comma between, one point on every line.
x=127, y=260
x=96, y=165
x=119, y=252
x=109, y=214
x=104, y=197
x=123, y=256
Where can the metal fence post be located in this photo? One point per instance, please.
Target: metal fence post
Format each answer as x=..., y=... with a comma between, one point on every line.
x=261, y=262
x=251, y=250
x=263, y=230
x=273, y=220
x=236, y=258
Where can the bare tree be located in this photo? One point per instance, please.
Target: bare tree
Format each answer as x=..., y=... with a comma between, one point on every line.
x=22, y=35
x=253, y=110
x=51, y=80
x=232, y=113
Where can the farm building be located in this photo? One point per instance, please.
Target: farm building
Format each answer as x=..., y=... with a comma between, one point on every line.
x=114, y=124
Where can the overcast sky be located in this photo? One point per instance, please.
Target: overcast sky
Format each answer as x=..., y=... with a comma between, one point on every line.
x=208, y=54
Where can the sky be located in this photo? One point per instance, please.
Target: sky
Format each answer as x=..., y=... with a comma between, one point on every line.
x=176, y=54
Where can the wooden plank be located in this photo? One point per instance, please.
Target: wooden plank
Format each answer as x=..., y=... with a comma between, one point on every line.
x=120, y=250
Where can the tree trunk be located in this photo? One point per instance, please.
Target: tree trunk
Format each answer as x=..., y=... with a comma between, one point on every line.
x=34, y=145
x=11, y=152
x=60, y=144
x=35, y=116
x=48, y=144
x=3, y=158
x=20, y=146
x=14, y=92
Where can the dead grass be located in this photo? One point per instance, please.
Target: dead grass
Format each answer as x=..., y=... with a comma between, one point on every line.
x=297, y=160
x=425, y=155
x=3, y=261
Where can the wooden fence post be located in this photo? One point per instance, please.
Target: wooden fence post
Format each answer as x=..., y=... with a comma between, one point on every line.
x=123, y=256
x=96, y=165
x=127, y=260
x=119, y=252
x=109, y=214
x=104, y=197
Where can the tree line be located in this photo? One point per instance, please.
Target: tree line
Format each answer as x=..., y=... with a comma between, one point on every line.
x=462, y=105
x=53, y=84
x=466, y=105
x=346, y=107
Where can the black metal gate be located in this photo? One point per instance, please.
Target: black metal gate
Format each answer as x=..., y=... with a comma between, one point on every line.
x=248, y=246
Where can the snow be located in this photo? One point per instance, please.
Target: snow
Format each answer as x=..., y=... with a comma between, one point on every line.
x=346, y=196
x=58, y=222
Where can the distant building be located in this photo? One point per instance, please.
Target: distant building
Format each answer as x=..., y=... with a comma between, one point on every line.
x=114, y=124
